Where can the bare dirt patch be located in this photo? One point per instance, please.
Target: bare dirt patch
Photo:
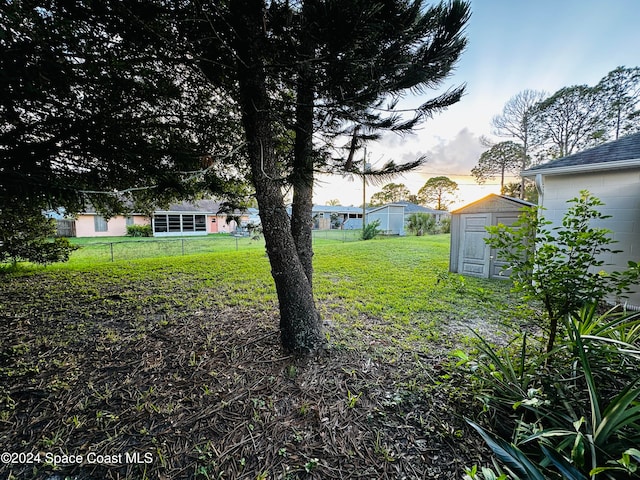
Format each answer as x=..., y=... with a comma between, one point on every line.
x=212, y=395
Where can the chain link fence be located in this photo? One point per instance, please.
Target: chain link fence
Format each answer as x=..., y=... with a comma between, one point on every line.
x=128, y=249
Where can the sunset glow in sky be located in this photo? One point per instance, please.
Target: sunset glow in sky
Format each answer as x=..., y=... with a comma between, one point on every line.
x=514, y=45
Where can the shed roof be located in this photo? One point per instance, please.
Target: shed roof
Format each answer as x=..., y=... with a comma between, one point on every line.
x=621, y=153
x=493, y=203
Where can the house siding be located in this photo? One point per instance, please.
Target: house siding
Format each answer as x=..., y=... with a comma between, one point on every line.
x=391, y=218
x=116, y=226
x=619, y=190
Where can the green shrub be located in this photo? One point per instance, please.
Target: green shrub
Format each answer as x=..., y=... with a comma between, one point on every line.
x=560, y=267
x=572, y=409
x=371, y=230
x=27, y=236
x=576, y=417
x=139, y=231
x=445, y=225
x=421, y=223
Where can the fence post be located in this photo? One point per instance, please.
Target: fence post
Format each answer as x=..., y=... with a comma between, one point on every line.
x=111, y=248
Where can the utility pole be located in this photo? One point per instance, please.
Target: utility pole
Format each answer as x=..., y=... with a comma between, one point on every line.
x=364, y=191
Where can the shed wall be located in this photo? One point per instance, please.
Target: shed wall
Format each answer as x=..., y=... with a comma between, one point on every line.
x=469, y=254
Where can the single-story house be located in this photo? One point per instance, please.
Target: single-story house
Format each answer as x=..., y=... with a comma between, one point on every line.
x=391, y=218
x=611, y=172
x=469, y=254
x=326, y=217
x=181, y=219
x=91, y=224
x=195, y=218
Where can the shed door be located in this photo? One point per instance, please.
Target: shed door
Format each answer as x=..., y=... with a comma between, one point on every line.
x=474, y=252
x=497, y=266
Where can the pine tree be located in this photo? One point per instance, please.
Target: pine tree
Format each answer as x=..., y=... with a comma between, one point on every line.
x=286, y=72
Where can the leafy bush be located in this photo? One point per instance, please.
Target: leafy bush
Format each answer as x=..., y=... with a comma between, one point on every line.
x=561, y=267
x=139, y=231
x=578, y=417
x=445, y=225
x=573, y=413
x=371, y=230
x=27, y=236
x=421, y=223
x=571, y=410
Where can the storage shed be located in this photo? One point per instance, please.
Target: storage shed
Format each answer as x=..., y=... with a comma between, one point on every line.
x=470, y=255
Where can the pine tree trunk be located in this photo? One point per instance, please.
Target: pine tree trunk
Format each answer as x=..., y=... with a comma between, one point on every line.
x=302, y=178
x=300, y=325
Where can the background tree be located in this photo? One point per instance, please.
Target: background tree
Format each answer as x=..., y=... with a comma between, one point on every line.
x=514, y=189
x=620, y=90
x=392, y=192
x=437, y=192
x=334, y=202
x=501, y=159
x=572, y=119
x=516, y=121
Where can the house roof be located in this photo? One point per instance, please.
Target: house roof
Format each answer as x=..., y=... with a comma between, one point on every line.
x=621, y=153
x=408, y=208
x=335, y=209
x=211, y=207
x=415, y=208
x=200, y=206
x=493, y=201
x=382, y=207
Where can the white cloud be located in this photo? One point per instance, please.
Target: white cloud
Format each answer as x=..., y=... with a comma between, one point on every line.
x=453, y=157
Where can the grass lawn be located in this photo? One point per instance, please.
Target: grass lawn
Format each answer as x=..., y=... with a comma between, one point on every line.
x=106, y=249
x=177, y=359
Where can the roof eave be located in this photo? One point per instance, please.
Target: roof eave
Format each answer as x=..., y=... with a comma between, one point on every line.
x=585, y=168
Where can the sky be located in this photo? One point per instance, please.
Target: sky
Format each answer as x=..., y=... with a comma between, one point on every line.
x=513, y=45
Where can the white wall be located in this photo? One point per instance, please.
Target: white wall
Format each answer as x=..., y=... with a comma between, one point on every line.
x=620, y=191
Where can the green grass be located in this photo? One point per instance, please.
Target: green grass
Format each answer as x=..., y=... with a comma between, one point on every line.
x=123, y=349
x=400, y=288
x=106, y=249
x=394, y=286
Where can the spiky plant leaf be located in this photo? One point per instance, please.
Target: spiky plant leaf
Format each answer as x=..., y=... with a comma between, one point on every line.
x=510, y=455
x=568, y=471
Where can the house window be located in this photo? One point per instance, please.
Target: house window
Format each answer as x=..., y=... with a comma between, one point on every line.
x=174, y=223
x=179, y=223
x=129, y=221
x=100, y=224
x=160, y=223
x=187, y=223
x=201, y=223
